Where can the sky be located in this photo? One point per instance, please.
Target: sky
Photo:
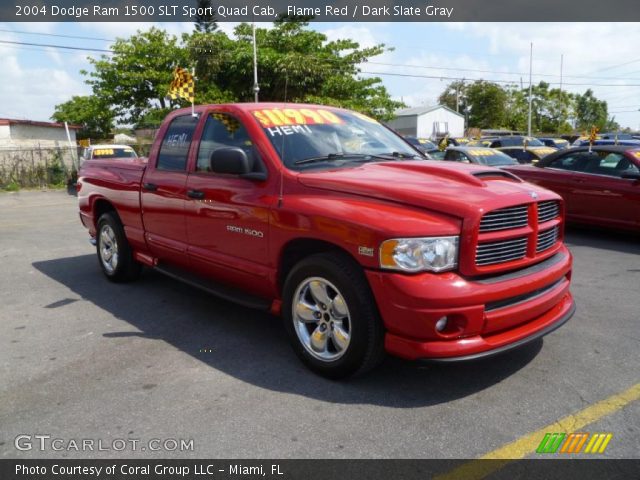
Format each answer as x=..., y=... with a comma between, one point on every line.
x=423, y=58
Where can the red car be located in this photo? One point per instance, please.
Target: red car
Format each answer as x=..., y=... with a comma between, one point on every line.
x=331, y=220
x=601, y=187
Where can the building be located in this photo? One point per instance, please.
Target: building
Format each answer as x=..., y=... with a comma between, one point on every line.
x=17, y=134
x=428, y=122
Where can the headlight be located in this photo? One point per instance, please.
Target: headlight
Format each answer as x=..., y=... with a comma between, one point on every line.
x=434, y=254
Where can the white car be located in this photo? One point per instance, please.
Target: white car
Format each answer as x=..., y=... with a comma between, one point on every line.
x=108, y=151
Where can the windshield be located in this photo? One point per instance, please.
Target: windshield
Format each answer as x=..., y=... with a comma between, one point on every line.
x=112, y=152
x=495, y=158
x=314, y=137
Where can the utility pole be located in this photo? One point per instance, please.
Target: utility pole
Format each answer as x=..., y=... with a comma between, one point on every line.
x=256, y=87
x=561, y=60
x=530, y=88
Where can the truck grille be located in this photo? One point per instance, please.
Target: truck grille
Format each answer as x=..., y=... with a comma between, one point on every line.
x=512, y=234
x=502, y=251
x=505, y=218
x=548, y=211
x=547, y=239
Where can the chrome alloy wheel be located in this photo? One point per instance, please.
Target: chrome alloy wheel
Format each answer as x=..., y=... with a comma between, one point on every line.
x=321, y=319
x=108, y=249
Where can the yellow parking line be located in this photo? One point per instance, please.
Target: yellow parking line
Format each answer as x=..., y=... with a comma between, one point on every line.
x=476, y=470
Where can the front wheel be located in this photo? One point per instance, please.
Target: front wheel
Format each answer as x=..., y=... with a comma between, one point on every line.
x=114, y=253
x=331, y=316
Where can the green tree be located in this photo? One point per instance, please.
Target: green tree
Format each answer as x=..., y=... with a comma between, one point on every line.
x=590, y=111
x=91, y=112
x=487, y=104
x=294, y=64
x=551, y=109
x=455, y=97
x=135, y=79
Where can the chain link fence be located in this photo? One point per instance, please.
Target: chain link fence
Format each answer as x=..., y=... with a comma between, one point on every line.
x=38, y=167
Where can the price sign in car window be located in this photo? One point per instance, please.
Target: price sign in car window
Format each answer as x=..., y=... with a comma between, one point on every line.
x=278, y=117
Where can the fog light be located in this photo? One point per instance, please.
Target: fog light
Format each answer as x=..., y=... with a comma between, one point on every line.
x=441, y=324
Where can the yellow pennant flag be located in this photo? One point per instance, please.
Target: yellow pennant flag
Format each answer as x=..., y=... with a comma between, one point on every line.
x=444, y=143
x=182, y=86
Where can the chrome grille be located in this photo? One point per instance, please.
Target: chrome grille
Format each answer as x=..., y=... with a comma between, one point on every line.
x=547, y=239
x=505, y=218
x=502, y=251
x=548, y=211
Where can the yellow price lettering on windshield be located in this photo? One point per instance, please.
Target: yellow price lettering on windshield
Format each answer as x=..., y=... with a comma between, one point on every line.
x=103, y=151
x=279, y=117
x=544, y=151
x=479, y=153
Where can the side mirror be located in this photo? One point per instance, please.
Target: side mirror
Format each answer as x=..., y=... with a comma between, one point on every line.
x=631, y=175
x=230, y=160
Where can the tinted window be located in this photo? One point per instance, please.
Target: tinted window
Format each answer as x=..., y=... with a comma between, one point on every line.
x=609, y=163
x=176, y=142
x=575, y=162
x=221, y=131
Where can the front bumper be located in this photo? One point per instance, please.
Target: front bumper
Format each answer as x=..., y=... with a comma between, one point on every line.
x=485, y=316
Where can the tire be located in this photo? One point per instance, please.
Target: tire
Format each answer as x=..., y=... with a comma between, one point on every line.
x=331, y=316
x=114, y=252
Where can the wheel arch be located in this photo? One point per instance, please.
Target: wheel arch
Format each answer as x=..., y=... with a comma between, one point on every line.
x=295, y=250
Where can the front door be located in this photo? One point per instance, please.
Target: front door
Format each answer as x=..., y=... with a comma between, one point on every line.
x=228, y=216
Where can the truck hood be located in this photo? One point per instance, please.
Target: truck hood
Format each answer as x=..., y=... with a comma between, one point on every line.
x=450, y=188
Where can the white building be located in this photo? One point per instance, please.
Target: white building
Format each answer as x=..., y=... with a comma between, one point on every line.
x=32, y=134
x=428, y=122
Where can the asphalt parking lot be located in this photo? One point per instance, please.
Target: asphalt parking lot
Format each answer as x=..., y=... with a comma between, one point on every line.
x=82, y=358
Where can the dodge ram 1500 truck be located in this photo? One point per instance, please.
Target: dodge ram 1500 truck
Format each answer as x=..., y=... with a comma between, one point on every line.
x=331, y=220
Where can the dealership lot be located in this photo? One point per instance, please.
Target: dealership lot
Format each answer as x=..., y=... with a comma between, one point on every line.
x=82, y=358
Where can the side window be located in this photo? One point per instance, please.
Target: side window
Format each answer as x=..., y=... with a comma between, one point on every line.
x=611, y=164
x=496, y=144
x=575, y=162
x=221, y=130
x=176, y=142
x=452, y=155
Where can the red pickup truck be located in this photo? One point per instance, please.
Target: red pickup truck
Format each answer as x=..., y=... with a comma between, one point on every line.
x=331, y=220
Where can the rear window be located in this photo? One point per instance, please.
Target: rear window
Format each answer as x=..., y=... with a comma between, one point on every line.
x=111, y=152
x=176, y=142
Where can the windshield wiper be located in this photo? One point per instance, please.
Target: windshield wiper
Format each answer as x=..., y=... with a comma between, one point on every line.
x=331, y=157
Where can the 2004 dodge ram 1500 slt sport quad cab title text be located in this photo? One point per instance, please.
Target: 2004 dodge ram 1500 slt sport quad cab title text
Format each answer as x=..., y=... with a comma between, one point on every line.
x=331, y=220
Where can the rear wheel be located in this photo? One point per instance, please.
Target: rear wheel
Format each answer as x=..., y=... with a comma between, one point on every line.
x=114, y=253
x=331, y=316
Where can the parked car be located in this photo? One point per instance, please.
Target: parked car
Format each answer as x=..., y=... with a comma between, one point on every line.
x=422, y=144
x=108, y=151
x=528, y=154
x=334, y=222
x=479, y=156
x=603, y=141
x=481, y=142
x=601, y=187
x=456, y=141
x=515, y=141
x=559, y=143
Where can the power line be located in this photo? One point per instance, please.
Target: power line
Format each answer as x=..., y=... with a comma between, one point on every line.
x=57, y=35
x=512, y=82
x=57, y=46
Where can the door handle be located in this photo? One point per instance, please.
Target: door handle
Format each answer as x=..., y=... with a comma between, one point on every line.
x=197, y=194
x=152, y=187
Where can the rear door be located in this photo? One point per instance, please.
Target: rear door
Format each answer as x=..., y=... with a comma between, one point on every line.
x=164, y=193
x=606, y=198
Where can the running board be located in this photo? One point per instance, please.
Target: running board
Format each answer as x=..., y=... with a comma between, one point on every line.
x=226, y=293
